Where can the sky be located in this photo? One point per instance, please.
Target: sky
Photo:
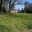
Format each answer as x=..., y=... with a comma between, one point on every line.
x=19, y=7
x=22, y=6
x=29, y=1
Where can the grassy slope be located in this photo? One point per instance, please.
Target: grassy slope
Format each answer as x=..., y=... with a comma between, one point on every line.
x=15, y=22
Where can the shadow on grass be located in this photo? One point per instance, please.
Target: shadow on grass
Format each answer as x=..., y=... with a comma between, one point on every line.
x=4, y=28
x=29, y=26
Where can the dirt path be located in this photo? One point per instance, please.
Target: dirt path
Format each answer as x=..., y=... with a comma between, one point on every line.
x=27, y=30
x=15, y=30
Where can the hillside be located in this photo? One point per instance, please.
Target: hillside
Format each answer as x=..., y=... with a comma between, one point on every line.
x=18, y=22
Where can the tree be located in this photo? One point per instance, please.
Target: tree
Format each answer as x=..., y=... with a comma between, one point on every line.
x=29, y=8
x=11, y=3
x=26, y=5
x=1, y=4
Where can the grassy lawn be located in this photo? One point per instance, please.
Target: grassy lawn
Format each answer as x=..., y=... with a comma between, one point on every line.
x=17, y=22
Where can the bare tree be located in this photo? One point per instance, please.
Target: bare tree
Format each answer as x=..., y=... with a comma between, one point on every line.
x=12, y=3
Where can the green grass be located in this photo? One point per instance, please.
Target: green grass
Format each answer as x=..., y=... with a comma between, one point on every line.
x=17, y=22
